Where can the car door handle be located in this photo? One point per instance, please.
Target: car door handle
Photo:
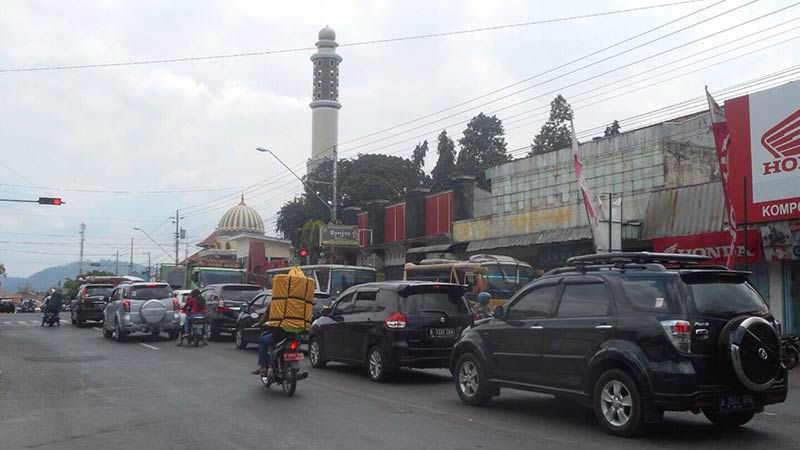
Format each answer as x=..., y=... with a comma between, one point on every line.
x=603, y=327
x=536, y=327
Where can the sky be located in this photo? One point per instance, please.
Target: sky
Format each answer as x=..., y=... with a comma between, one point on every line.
x=127, y=146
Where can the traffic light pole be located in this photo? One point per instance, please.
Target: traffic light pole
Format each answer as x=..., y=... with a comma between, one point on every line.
x=42, y=201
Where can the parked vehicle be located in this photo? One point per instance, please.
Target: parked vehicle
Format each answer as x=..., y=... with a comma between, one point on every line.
x=633, y=335
x=141, y=307
x=790, y=350
x=7, y=305
x=90, y=303
x=285, y=366
x=246, y=331
x=223, y=302
x=388, y=325
x=51, y=319
x=322, y=300
x=28, y=306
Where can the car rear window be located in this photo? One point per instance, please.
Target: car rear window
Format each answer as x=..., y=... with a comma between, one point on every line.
x=652, y=293
x=725, y=295
x=148, y=292
x=240, y=293
x=449, y=303
x=92, y=291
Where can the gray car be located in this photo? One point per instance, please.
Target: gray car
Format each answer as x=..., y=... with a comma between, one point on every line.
x=141, y=307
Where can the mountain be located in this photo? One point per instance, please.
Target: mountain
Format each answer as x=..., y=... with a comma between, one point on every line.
x=51, y=276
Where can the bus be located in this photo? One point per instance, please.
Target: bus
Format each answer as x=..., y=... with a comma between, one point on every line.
x=500, y=276
x=331, y=279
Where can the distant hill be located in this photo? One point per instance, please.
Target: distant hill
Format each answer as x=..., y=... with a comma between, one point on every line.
x=49, y=277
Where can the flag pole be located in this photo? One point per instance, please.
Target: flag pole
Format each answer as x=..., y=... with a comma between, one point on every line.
x=744, y=201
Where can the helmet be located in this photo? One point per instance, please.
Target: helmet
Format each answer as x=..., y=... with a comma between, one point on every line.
x=483, y=297
x=195, y=293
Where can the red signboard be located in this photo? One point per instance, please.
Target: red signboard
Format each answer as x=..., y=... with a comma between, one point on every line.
x=438, y=213
x=395, y=223
x=362, y=220
x=765, y=149
x=715, y=245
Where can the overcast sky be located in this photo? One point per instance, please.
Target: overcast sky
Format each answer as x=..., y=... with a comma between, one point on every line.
x=195, y=125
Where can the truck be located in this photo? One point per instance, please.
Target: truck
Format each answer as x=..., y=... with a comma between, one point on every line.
x=198, y=274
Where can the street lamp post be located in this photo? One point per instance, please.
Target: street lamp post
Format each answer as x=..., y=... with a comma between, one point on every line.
x=154, y=242
x=332, y=209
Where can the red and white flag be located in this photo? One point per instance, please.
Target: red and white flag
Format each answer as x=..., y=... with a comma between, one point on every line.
x=721, y=136
x=600, y=239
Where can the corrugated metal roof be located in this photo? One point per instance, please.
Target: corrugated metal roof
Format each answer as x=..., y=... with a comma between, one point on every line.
x=685, y=210
x=538, y=238
x=430, y=248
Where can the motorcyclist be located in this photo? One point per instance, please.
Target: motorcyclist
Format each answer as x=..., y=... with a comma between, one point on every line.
x=52, y=304
x=270, y=336
x=195, y=306
x=43, y=307
x=481, y=310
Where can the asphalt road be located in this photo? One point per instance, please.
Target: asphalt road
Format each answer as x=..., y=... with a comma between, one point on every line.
x=68, y=388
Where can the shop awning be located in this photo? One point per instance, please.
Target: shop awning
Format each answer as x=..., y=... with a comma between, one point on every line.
x=429, y=249
x=538, y=238
x=685, y=210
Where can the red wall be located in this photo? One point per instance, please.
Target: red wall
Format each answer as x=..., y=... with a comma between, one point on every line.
x=395, y=222
x=362, y=220
x=438, y=213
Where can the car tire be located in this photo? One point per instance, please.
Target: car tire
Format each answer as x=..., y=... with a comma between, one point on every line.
x=239, y=340
x=214, y=334
x=315, y=354
x=731, y=420
x=74, y=322
x=471, y=381
x=119, y=335
x=173, y=335
x=617, y=403
x=376, y=365
x=790, y=357
x=80, y=323
x=107, y=333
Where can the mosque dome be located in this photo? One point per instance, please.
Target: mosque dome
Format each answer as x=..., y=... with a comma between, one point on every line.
x=327, y=34
x=241, y=219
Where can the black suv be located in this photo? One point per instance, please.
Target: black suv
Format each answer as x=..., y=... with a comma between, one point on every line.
x=222, y=304
x=389, y=325
x=633, y=335
x=90, y=303
x=246, y=331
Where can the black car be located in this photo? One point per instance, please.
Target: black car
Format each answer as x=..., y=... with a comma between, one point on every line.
x=388, y=325
x=246, y=332
x=322, y=301
x=7, y=305
x=90, y=303
x=633, y=335
x=223, y=302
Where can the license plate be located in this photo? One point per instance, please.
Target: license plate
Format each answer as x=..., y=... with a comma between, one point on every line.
x=735, y=402
x=292, y=356
x=439, y=333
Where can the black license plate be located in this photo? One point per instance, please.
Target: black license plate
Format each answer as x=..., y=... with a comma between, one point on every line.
x=441, y=333
x=735, y=402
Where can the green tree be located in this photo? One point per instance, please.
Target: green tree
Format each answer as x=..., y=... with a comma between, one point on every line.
x=71, y=285
x=309, y=238
x=612, y=130
x=2, y=270
x=446, y=164
x=420, y=151
x=555, y=133
x=291, y=217
x=483, y=146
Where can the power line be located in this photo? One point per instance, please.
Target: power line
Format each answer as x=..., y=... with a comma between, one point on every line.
x=352, y=44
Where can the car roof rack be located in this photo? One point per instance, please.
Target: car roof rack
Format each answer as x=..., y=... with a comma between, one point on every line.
x=632, y=261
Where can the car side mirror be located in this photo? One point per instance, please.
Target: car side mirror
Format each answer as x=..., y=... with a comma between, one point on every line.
x=326, y=311
x=498, y=312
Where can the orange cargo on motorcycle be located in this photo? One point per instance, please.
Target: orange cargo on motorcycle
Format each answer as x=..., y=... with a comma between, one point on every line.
x=292, y=301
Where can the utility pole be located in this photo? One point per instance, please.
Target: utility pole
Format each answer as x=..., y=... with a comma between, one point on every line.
x=177, y=236
x=83, y=237
x=335, y=175
x=116, y=267
x=130, y=266
x=149, y=274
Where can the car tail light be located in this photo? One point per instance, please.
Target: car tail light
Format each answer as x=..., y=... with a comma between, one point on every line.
x=126, y=305
x=293, y=345
x=779, y=327
x=474, y=317
x=679, y=333
x=175, y=305
x=180, y=309
x=395, y=321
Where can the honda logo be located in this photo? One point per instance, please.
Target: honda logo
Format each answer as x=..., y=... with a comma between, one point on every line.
x=783, y=142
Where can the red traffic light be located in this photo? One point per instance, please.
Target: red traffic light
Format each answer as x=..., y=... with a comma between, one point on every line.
x=303, y=252
x=50, y=201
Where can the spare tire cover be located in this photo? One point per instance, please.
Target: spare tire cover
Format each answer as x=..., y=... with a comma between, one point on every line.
x=753, y=348
x=153, y=311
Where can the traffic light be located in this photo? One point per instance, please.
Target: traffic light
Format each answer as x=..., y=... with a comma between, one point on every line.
x=50, y=201
x=303, y=252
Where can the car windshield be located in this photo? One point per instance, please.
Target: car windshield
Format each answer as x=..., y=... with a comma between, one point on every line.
x=240, y=293
x=342, y=279
x=149, y=292
x=440, y=302
x=96, y=291
x=502, y=279
x=207, y=277
x=726, y=297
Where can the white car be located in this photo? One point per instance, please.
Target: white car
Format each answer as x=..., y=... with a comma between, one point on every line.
x=182, y=295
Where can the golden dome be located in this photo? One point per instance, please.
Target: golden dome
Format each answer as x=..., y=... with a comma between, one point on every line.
x=241, y=219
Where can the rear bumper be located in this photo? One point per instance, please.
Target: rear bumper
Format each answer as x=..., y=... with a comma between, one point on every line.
x=82, y=314
x=7, y=309
x=224, y=325
x=420, y=357
x=708, y=396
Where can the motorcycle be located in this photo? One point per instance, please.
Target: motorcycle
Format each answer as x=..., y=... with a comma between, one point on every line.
x=51, y=318
x=790, y=350
x=285, y=366
x=197, y=331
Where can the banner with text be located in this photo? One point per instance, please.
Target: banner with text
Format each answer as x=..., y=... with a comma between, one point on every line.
x=715, y=245
x=338, y=235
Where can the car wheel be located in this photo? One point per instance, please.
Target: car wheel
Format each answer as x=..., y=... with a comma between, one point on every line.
x=315, y=354
x=119, y=335
x=173, y=335
x=107, y=333
x=617, y=403
x=470, y=379
x=214, y=335
x=731, y=420
x=376, y=365
x=80, y=323
x=74, y=322
x=790, y=357
x=241, y=344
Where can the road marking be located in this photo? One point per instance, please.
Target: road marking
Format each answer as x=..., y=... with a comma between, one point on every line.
x=97, y=329
x=148, y=346
x=21, y=322
x=770, y=414
x=7, y=323
x=35, y=322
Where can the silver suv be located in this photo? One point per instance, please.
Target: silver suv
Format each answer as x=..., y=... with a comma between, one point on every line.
x=143, y=307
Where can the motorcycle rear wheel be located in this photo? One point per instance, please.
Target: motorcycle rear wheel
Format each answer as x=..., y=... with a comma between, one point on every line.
x=790, y=357
x=289, y=383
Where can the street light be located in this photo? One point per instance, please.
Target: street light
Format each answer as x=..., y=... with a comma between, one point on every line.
x=154, y=241
x=332, y=209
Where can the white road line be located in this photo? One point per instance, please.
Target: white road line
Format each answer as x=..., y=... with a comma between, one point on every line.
x=97, y=329
x=770, y=414
x=35, y=322
x=21, y=322
x=148, y=346
x=7, y=323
